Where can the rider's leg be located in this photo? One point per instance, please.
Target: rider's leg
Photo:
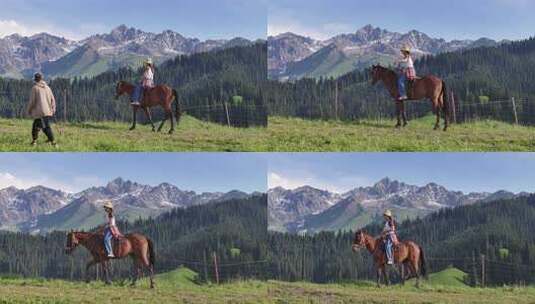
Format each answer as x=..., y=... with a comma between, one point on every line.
x=107, y=242
x=402, y=79
x=389, y=246
x=136, y=96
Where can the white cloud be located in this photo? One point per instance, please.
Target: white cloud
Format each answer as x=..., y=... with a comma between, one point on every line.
x=8, y=27
x=338, y=184
x=77, y=184
x=321, y=32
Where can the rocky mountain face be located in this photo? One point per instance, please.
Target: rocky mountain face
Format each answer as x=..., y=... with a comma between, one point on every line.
x=123, y=46
x=292, y=206
x=322, y=210
x=40, y=209
x=21, y=56
x=292, y=56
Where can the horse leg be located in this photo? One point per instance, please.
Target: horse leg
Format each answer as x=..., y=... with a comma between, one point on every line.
x=403, y=114
x=437, y=112
x=106, y=270
x=398, y=113
x=402, y=273
x=134, y=271
x=414, y=269
x=446, y=115
x=379, y=274
x=163, y=123
x=387, y=277
x=146, y=263
x=87, y=267
x=134, y=109
x=169, y=113
x=149, y=116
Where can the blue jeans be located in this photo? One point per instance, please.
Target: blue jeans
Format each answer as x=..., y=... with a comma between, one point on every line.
x=389, y=246
x=107, y=240
x=402, y=80
x=138, y=93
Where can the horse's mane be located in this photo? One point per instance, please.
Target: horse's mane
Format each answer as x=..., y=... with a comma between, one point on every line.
x=385, y=69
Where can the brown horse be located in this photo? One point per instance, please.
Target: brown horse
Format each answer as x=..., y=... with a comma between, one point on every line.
x=406, y=254
x=161, y=95
x=429, y=87
x=137, y=246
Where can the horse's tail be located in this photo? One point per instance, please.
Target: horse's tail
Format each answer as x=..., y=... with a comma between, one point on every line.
x=423, y=267
x=178, y=109
x=445, y=101
x=152, y=256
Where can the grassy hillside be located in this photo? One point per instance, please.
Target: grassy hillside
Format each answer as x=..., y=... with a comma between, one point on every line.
x=180, y=286
x=173, y=287
x=293, y=134
x=191, y=135
x=282, y=135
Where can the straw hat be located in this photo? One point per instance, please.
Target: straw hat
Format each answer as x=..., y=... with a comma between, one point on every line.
x=406, y=48
x=388, y=213
x=148, y=61
x=108, y=205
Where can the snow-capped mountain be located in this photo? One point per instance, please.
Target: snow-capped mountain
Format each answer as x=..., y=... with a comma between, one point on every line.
x=40, y=209
x=292, y=206
x=21, y=56
x=294, y=56
x=123, y=46
x=324, y=210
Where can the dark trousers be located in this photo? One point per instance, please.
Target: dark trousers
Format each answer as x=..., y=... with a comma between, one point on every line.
x=42, y=124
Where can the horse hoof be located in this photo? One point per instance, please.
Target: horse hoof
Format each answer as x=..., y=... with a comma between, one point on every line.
x=132, y=129
x=398, y=127
x=171, y=132
x=153, y=130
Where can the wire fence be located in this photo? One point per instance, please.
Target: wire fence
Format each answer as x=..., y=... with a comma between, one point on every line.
x=519, y=111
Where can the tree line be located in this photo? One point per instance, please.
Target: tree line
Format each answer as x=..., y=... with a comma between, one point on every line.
x=477, y=77
x=459, y=237
x=234, y=230
x=209, y=85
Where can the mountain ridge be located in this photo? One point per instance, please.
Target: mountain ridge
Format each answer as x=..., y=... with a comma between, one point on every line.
x=56, y=56
x=292, y=56
x=307, y=209
x=40, y=209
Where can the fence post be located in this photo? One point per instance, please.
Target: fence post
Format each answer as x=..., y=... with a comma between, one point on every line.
x=65, y=105
x=228, y=116
x=453, y=107
x=483, y=271
x=336, y=100
x=475, y=283
x=216, y=269
x=514, y=110
x=205, y=262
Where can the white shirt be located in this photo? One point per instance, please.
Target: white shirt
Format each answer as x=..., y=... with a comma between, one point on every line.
x=405, y=63
x=111, y=221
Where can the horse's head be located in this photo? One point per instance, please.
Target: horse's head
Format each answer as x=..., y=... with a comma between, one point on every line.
x=359, y=241
x=376, y=73
x=120, y=89
x=72, y=242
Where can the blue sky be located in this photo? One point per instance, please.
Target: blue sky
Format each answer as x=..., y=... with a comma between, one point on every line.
x=467, y=172
x=72, y=172
x=78, y=19
x=451, y=19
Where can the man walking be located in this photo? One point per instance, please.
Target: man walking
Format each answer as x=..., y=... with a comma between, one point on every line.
x=41, y=108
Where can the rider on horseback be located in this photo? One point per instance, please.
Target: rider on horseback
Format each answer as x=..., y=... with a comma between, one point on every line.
x=146, y=83
x=111, y=230
x=389, y=235
x=405, y=71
